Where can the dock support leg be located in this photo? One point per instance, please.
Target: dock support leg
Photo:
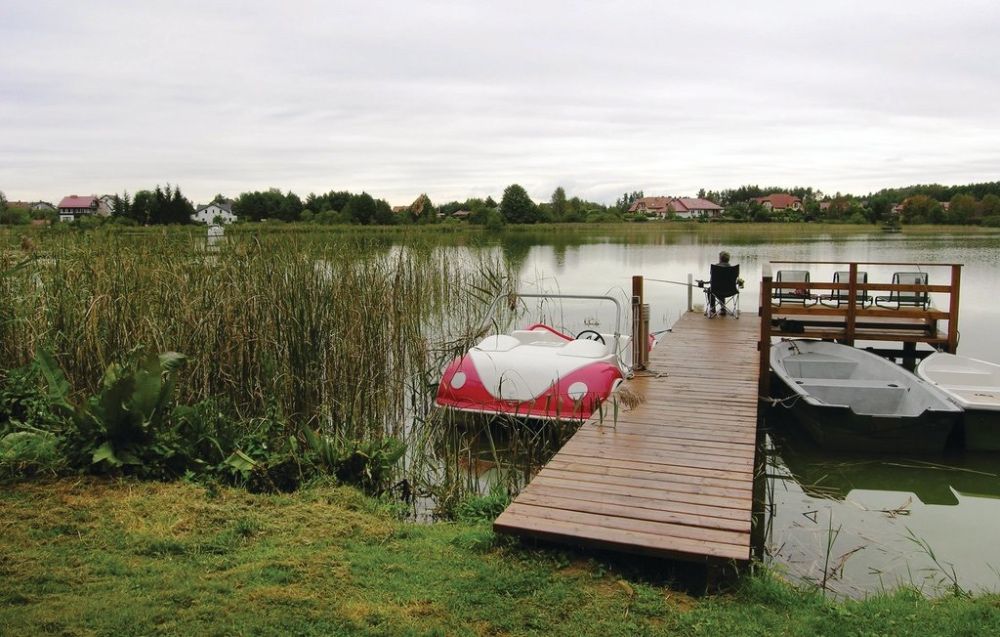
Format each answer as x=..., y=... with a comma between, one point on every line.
x=758, y=513
x=910, y=356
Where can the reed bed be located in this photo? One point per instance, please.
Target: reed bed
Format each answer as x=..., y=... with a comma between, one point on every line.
x=340, y=330
x=320, y=328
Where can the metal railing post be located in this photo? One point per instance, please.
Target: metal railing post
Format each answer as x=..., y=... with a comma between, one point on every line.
x=638, y=346
x=643, y=343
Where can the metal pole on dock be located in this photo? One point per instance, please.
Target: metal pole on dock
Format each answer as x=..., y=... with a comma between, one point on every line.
x=639, y=347
x=690, y=292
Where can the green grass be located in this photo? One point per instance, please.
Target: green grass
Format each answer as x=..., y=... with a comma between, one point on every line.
x=93, y=557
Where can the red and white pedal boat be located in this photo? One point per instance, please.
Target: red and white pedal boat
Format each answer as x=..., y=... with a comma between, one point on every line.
x=538, y=372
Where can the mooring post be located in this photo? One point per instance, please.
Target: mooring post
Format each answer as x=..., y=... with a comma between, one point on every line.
x=690, y=292
x=956, y=286
x=852, y=305
x=764, y=344
x=638, y=346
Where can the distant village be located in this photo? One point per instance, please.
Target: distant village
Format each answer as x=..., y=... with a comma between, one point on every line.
x=75, y=207
x=974, y=204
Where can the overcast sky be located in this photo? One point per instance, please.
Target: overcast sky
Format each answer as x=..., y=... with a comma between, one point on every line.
x=462, y=98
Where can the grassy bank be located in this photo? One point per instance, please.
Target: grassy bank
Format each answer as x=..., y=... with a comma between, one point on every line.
x=90, y=557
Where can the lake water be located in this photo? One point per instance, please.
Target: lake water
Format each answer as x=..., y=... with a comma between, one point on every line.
x=857, y=524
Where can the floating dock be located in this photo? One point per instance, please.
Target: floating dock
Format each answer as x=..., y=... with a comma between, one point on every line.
x=672, y=477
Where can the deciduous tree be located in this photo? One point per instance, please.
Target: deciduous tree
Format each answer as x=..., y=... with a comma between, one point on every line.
x=517, y=207
x=963, y=209
x=559, y=207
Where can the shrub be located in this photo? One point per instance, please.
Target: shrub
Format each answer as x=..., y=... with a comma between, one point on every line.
x=29, y=453
x=125, y=426
x=367, y=464
x=24, y=403
x=483, y=507
x=494, y=221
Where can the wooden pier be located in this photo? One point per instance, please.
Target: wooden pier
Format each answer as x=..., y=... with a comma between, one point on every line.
x=673, y=477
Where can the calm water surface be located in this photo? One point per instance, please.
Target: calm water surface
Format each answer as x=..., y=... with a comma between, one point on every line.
x=859, y=524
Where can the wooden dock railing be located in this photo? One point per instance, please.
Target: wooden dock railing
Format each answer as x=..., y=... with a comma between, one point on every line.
x=852, y=318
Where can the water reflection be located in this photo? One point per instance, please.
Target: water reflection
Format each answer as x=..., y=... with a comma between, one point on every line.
x=858, y=524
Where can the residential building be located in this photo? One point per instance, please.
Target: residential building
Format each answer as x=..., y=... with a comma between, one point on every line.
x=780, y=201
x=695, y=208
x=658, y=206
x=105, y=205
x=209, y=213
x=681, y=207
x=73, y=207
x=42, y=206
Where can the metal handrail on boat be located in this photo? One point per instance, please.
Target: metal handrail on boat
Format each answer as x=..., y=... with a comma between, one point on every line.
x=578, y=297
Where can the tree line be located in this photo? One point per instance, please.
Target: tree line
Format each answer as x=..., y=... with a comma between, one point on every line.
x=977, y=203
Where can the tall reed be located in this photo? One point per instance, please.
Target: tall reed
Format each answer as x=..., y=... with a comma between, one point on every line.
x=323, y=328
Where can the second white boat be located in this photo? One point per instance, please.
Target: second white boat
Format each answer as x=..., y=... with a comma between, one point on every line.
x=973, y=385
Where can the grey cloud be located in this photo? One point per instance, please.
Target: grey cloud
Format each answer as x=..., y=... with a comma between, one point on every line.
x=460, y=99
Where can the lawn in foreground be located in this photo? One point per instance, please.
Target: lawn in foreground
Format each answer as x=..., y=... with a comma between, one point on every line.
x=95, y=557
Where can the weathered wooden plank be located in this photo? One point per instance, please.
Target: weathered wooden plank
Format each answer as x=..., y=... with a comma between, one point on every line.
x=677, y=492
x=586, y=464
x=664, y=457
x=673, y=467
x=716, y=507
x=642, y=507
x=716, y=450
x=622, y=517
x=623, y=540
x=662, y=436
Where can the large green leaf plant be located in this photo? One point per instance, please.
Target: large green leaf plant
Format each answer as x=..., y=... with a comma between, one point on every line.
x=126, y=425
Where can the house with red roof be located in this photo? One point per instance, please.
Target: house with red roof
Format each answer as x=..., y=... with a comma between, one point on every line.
x=73, y=207
x=695, y=208
x=659, y=206
x=681, y=207
x=780, y=201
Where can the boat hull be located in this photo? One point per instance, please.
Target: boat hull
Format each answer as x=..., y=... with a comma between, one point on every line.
x=974, y=385
x=537, y=373
x=982, y=430
x=852, y=400
x=840, y=429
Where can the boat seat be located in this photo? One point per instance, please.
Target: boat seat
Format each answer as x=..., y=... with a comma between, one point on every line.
x=534, y=337
x=819, y=366
x=848, y=382
x=868, y=397
x=498, y=343
x=583, y=348
x=957, y=377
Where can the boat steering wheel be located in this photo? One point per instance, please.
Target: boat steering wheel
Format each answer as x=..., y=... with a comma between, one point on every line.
x=591, y=335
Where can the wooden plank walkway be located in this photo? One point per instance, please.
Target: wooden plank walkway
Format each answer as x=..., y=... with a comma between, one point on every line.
x=672, y=477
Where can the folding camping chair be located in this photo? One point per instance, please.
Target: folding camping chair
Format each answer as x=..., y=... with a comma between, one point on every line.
x=792, y=295
x=838, y=297
x=907, y=298
x=724, y=286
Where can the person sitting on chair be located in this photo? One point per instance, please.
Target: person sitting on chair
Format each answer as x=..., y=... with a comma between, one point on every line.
x=719, y=290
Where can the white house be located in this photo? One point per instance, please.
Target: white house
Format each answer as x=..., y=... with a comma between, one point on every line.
x=105, y=205
x=210, y=212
